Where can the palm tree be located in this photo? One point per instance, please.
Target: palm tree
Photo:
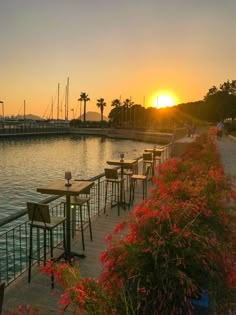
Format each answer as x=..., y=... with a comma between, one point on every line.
x=127, y=105
x=84, y=97
x=101, y=104
x=116, y=103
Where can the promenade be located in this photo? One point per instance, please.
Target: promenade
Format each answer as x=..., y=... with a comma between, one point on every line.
x=39, y=294
x=227, y=149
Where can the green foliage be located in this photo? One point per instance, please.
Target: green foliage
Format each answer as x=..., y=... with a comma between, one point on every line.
x=172, y=246
x=218, y=104
x=179, y=241
x=84, y=98
x=101, y=104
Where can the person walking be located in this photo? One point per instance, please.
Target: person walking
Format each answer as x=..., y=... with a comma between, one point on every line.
x=220, y=127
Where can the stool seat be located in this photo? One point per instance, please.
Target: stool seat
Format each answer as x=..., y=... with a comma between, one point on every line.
x=112, y=176
x=55, y=221
x=139, y=177
x=40, y=218
x=128, y=173
x=77, y=200
x=111, y=180
x=148, y=161
x=80, y=201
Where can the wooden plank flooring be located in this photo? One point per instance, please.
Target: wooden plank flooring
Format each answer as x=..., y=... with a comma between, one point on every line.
x=38, y=293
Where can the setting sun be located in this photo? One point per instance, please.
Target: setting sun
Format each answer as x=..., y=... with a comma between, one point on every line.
x=164, y=98
x=164, y=101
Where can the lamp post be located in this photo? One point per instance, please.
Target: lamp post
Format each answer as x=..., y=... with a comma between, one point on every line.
x=1, y=102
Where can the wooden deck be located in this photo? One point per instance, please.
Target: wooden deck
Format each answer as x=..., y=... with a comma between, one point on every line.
x=38, y=293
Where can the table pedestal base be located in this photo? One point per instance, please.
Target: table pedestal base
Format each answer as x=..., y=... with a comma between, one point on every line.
x=70, y=256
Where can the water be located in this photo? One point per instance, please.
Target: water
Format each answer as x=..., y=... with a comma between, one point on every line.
x=26, y=163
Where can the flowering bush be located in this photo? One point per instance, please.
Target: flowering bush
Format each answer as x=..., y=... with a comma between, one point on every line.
x=80, y=294
x=25, y=310
x=178, y=242
x=169, y=249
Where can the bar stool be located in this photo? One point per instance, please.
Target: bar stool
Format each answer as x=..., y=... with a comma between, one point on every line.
x=112, y=177
x=40, y=218
x=79, y=203
x=157, y=158
x=148, y=161
x=128, y=172
x=162, y=153
x=139, y=177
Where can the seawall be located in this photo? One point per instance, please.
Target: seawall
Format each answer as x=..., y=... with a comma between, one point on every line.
x=132, y=134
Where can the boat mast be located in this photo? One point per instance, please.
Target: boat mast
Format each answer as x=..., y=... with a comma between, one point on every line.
x=67, y=103
x=58, y=93
x=24, y=110
x=67, y=99
x=52, y=109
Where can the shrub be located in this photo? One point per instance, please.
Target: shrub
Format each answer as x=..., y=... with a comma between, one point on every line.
x=170, y=248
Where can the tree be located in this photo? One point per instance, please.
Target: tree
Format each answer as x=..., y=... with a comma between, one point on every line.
x=213, y=90
x=220, y=106
x=220, y=103
x=101, y=104
x=114, y=116
x=84, y=98
x=116, y=103
x=127, y=104
x=227, y=87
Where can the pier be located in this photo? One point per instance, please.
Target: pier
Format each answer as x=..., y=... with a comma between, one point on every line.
x=14, y=229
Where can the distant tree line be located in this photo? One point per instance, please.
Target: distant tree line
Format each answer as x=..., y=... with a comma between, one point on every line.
x=125, y=114
x=218, y=104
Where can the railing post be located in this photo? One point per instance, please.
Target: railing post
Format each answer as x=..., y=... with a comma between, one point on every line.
x=99, y=182
x=38, y=247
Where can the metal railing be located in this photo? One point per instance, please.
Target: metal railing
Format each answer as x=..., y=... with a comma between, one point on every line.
x=31, y=130
x=14, y=232
x=14, y=229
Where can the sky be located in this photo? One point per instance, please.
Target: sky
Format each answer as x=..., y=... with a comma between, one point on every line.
x=112, y=49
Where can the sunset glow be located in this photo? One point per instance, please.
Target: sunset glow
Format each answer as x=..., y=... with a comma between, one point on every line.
x=163, y=99
x=130, y=47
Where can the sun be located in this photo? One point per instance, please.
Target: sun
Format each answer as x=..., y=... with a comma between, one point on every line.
x=164, y=100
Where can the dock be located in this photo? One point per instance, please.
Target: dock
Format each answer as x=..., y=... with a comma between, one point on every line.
x=38, y=293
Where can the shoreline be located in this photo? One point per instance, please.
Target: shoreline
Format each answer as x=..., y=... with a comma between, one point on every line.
x=132, y=134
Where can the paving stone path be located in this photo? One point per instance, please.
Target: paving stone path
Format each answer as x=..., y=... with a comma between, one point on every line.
x=227, y=150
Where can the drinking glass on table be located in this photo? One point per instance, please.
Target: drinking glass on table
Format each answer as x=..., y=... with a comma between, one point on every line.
x=68, y=177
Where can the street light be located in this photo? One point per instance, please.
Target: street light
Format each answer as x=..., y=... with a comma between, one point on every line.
x=1, y=102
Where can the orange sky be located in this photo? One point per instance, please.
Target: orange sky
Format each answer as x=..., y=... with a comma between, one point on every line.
x=112, y=49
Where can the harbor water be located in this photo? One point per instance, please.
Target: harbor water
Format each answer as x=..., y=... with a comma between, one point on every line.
x=26, y=163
